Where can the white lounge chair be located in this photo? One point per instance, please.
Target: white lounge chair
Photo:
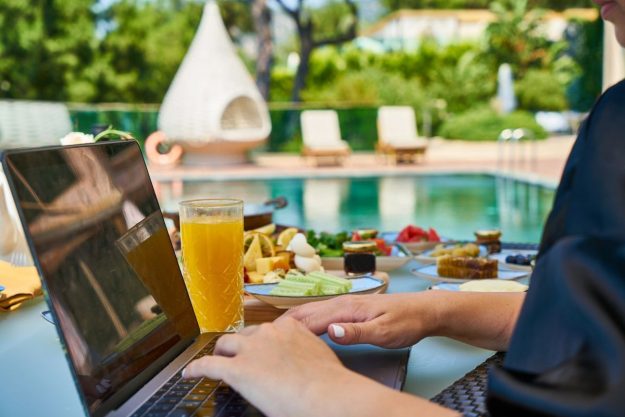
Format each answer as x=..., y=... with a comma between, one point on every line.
x=321, y=134
x=26, y=123
x=397, y=134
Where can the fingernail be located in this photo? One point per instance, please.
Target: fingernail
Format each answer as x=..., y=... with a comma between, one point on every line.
x=338, y=331
x=184, y=371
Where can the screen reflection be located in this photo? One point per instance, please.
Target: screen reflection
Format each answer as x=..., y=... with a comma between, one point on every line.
x=106, y=258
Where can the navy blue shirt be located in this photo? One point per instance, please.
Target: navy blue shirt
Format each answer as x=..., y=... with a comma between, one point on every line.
x=567, y=353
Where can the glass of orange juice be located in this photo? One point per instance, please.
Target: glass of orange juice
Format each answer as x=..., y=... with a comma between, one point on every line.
x=212, y=253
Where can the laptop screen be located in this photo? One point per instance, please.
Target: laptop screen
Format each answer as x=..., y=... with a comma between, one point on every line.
x=107, y=262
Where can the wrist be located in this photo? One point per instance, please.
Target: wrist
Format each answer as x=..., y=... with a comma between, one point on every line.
x=436, y=309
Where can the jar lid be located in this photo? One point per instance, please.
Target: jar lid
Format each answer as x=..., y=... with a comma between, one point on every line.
x=367, y=233
x=488, y=234
x=360, y=246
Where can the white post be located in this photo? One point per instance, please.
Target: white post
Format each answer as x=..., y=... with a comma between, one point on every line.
x=613, y=57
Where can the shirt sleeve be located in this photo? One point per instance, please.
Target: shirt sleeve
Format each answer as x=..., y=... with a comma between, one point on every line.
x=567, y=354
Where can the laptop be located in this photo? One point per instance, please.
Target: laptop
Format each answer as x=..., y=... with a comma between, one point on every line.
x=114, y=287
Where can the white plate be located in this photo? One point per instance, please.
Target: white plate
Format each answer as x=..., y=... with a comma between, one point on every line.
x=420, y=247
x=501, y=257
x=361, y=285
x=413, y=247
x=429, y=272
x=399, y=257
x=450, y=286
x=446, y=286
x=427, y=258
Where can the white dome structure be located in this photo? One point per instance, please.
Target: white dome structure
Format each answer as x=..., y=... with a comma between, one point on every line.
x=213, y=109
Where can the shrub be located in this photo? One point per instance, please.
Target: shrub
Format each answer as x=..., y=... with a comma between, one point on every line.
x=464, y=83
x=281, y=84
x=370, y=86
x=584, y=90
x=353, y=87
x=483, y=123
x=326, y=65
x=541, y=90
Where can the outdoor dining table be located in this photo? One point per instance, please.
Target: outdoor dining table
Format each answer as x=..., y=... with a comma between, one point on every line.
x=35, y=379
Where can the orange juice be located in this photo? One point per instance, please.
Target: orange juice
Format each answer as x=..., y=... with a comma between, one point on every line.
x=154, y=254
x=212, y=251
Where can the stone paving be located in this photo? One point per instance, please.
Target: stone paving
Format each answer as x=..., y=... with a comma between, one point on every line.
x=540, y=162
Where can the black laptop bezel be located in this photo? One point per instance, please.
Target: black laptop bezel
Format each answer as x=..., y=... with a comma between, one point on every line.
x=133, y=385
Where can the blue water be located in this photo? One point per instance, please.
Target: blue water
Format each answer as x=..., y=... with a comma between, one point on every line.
x=456, y=205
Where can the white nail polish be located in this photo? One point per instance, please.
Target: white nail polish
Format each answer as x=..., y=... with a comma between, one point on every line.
x=184, y=371
x=338, y=331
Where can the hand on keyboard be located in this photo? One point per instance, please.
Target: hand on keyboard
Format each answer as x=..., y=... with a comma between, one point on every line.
x=272, y=364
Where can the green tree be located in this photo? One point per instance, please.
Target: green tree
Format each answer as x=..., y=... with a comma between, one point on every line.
x=139, y=57
x=46, y=49
x=584, y=90
x=50, y=50
x=515, y=36
x=262, y=26
x=237, y=16
x=540, y=90
x=333, y=24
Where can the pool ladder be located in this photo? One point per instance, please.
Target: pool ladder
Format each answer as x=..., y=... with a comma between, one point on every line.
x=516, y=150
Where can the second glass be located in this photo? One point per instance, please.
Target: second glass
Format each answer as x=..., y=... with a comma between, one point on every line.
x=212, y=253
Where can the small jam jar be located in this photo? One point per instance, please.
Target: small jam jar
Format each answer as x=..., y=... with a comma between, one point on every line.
x=359, y=257
x=490, y=239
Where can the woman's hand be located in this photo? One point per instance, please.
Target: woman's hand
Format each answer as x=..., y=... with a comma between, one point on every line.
x=285, y=370
x=388, y=320
x=281, y=368
x=486, y=320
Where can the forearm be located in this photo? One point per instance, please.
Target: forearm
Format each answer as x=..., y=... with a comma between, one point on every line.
x=351, y=394
x=485, y=320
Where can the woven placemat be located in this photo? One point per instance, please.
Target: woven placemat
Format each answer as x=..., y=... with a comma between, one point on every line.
x=468, y=394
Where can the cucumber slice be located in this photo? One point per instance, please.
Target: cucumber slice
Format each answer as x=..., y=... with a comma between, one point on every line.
x=288, y=292
x=331, y=279
x=304, y=278
x=314, y=283
x=287, y=283
x=330, y=289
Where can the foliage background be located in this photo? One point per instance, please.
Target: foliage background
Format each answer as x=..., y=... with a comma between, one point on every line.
x=81, y=51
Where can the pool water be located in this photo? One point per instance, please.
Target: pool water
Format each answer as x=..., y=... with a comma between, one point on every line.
x=455, y=205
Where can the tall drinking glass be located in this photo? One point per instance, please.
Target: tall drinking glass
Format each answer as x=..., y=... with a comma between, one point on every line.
x=212, y=253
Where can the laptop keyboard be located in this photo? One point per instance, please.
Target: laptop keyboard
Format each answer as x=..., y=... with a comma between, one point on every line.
x=200, y=397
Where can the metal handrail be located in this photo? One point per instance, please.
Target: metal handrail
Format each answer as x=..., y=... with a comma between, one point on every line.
x=517, y=156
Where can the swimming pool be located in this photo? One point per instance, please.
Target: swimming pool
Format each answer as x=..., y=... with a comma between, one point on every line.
x=456, y=205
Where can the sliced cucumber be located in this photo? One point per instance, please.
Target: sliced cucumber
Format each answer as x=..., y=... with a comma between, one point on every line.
x=314, y=283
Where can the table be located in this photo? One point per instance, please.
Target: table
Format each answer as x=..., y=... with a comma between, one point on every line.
x=35, y=379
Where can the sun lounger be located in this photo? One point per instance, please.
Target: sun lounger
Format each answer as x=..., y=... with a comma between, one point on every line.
x=322, y=136
x=32, y=123
x=397, y=134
